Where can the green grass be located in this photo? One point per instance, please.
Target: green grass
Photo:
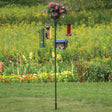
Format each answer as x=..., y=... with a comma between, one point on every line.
x=72, y=97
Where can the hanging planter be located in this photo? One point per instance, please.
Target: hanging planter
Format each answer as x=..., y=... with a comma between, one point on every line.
x=56, y=9
x=55, y=14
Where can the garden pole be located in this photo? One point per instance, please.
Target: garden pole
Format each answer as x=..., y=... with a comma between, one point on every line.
x=55, y=22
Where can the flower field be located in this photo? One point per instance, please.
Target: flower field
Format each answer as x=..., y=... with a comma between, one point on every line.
x=66, y=76
x=88, y=56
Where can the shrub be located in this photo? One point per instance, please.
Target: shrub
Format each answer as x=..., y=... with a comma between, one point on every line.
x=97, y=72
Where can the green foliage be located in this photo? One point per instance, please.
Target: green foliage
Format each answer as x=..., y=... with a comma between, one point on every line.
x=17, y=15
x=90, y=40
x=20, y=2
x=98, y=72
x=73, y=5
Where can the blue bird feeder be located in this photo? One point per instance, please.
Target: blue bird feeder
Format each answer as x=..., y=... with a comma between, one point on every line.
x=61, y=43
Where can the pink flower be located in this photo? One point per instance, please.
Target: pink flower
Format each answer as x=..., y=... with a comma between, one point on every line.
x=61, y=11
x=56, y=7
x=43, y=12
x=17, y=62
x=65, y=7
x=51, y=3
x=46, y=11
x=50, y=10
x=61, y=5
x=57, y=4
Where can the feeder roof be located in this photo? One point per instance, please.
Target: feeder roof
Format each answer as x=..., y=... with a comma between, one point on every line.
x=61, y=41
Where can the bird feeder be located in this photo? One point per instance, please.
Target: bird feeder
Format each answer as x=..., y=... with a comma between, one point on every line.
x=61, y=43
x=48, y=32
x=68, y=30
x=42, y=38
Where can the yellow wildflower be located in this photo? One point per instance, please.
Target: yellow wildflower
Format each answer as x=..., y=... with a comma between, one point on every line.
x=107, y=38
x=53, y=55
x=104, y=47
x=47, y=52
x=97, y=58
x=24, y=57
x=58, y=56
x=31, y=55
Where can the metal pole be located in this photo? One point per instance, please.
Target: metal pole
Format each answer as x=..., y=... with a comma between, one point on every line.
x=55, y=22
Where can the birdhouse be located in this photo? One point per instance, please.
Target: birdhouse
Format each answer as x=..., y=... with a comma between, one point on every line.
x=42, y=38
x=48, y=32
x=61, y=43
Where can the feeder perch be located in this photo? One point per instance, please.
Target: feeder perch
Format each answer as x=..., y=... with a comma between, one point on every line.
x=61, y=43
x=48, y=31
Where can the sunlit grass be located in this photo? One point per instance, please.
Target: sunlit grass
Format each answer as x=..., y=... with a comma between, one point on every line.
x=71, y=97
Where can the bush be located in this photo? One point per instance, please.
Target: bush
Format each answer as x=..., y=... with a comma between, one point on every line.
x=97, y=72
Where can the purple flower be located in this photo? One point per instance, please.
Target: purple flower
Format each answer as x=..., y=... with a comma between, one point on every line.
x=61, y=11
x=67, y=12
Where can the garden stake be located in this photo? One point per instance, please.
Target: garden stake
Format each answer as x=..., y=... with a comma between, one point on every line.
x=55, y=22
x=54, y=9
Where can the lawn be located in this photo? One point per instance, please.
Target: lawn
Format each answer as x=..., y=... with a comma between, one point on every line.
x=72, y=97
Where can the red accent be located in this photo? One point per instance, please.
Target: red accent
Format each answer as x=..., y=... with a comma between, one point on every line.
x=68, y=30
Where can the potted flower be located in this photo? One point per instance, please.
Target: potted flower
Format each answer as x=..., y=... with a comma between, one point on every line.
x=56, y=9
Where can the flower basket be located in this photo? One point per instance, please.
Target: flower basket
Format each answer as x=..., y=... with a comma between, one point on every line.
x=56, y=9
x=55, y=14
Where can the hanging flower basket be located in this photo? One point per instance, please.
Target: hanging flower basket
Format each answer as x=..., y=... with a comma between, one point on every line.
x=56, y=9
x=55, y=14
